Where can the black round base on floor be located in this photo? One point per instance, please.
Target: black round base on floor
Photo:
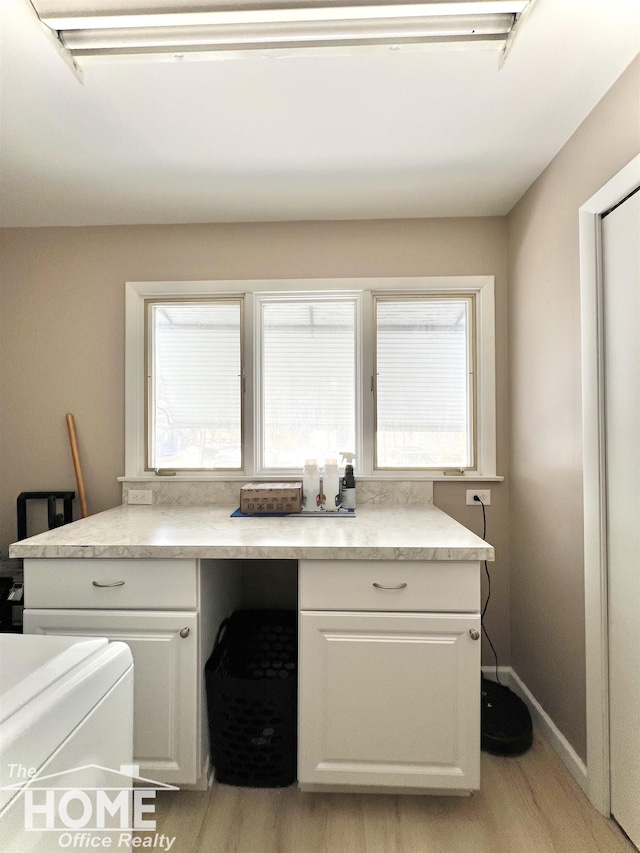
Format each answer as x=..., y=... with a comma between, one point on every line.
x=505, y=727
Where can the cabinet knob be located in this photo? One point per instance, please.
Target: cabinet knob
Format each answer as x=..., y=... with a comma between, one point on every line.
x=475, y=635
x=184, y=633
x=397, y=586
x=114, y=583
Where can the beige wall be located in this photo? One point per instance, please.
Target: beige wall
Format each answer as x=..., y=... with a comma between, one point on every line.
x=62, y=336
x=546, y=519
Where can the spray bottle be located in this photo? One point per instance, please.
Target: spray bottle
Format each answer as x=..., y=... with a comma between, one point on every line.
x=348, y=484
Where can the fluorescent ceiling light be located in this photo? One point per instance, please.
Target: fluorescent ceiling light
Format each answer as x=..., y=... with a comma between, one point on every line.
x=163, y=27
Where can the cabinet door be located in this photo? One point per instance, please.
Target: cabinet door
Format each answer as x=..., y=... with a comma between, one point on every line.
x=389, y=699
x=166, y=725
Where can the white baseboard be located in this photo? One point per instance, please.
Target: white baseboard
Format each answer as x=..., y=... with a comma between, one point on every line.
x=504, y=673
x=570, y=758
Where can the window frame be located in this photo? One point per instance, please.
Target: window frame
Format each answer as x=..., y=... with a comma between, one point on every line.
x=482, y=287
x=472, y=370
x=149, y=370
x=300, y=295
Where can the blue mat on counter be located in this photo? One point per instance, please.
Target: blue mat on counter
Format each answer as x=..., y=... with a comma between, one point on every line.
x=339, y=513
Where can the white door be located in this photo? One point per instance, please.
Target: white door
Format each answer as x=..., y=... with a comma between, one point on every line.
x=166, y=728
x=389, y=699
x=621, y=269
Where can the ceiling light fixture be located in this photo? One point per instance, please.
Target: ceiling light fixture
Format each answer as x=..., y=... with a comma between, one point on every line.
x=117, y=29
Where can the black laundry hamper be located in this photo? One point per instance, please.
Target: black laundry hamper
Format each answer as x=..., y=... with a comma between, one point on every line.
x=251, y=680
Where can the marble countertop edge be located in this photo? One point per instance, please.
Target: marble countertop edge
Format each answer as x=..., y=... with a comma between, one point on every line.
x=252, y=552
x=375, y=533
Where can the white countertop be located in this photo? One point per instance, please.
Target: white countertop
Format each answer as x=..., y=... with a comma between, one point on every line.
x=375, y=533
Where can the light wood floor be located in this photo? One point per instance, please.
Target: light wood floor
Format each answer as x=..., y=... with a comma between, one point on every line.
x=529, y=804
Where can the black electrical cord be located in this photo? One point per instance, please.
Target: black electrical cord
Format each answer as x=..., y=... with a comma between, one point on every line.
x=486, y=604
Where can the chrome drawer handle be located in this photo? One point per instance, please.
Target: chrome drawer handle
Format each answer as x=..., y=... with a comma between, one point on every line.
x=115, y=583
x=382, y=586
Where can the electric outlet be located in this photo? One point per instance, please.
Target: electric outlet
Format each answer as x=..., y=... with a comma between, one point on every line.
x=483, y=494
x=139, y=496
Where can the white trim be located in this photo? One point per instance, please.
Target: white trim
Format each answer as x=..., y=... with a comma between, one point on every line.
x=486, y=379
x=570, y=758
x=543, y=721
x=229, y=476
x=134, y=380
x=504, y=672
x=365, y=400
x=594, y=479
x=353, y=298
x=481, y=286
x=248, y=410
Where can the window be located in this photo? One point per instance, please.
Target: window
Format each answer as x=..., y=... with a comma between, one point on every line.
x=307, y=378
x=250, y=378
x=194, y=384
x=424, y=382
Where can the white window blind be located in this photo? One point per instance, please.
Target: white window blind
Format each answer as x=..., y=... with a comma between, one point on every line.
x=308, y=381
x=424, y=387
x=195, y=384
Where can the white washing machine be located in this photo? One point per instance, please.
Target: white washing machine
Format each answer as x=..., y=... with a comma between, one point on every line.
x=66, y=724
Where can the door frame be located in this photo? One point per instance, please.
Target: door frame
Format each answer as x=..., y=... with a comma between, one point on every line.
x=595, y=482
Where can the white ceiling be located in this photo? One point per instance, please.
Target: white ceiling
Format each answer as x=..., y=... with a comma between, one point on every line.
x=371, y=135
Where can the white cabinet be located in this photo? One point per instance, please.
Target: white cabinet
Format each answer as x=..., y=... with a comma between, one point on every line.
x=389, y=667
x=168, y=612
x=166, y=697
x=388, y=700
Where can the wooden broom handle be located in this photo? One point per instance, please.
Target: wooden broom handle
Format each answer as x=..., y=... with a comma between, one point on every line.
x=71, y=427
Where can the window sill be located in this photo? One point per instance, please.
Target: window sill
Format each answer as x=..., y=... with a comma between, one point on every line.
x=229, y=477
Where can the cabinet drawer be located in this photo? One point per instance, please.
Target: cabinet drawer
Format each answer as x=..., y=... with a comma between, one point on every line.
x=111, y=584
x=388, y=585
